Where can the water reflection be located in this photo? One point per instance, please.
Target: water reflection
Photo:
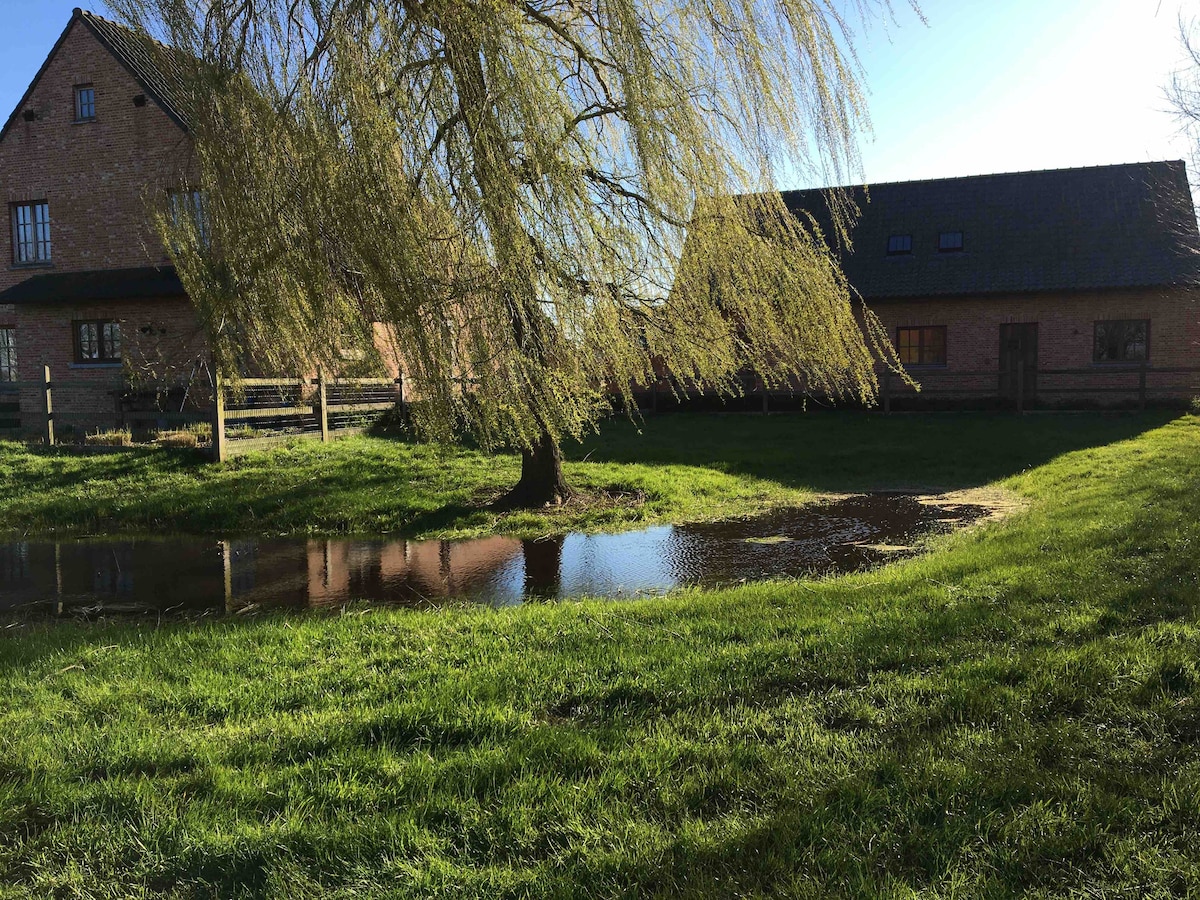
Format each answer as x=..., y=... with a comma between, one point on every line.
x=199, y=575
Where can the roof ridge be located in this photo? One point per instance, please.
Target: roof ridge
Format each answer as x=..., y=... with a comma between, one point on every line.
x=985, y=175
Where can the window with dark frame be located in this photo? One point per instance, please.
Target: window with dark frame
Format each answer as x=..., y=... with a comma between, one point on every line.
x=950, y=242
x=925, y=346
x=97, y=341
x=899, y=245
x=1122, y=340
x=188, y=205
x=85, y=103
x=31, y=232
x=8, y=354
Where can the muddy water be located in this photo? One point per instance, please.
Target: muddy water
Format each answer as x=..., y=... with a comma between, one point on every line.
x=191, y=575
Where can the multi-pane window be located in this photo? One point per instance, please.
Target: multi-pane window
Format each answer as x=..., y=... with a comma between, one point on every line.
x=188, y=206
x=98, y=341
x=922, y=346
x=1122, y=340
x=950, y=242
x=8, y=355
x=899, y=244
x=85, y=103
x=31, y=232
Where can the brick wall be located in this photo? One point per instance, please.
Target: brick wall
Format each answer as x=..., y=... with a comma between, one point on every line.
x=162, y=346
x=1065, y=337
x=97, y=176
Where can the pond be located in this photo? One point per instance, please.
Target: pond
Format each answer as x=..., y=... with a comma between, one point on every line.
x=92, y=578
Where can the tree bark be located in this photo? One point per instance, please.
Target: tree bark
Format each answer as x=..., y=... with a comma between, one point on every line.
x=542, y=482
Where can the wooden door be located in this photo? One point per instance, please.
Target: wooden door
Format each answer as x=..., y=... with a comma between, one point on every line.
x=1018, y=353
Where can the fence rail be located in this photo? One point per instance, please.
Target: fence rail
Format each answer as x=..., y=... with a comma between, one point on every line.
x=332, y=408
x=269, y=409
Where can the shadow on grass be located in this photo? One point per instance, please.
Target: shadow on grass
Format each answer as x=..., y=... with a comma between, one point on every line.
x=855, y=451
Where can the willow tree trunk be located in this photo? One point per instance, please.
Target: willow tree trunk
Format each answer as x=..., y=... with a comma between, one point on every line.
x=542, y=482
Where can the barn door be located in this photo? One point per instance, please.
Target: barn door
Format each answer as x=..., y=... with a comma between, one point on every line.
x=1018, y=350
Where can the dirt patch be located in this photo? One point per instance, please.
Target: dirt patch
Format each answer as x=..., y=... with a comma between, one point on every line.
x=997, y=502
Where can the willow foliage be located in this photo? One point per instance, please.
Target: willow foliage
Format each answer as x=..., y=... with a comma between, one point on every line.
x=509, y=184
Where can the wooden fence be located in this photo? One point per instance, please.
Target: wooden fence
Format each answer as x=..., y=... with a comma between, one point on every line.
x=1061, y=388
x=247, y=414
x=261, y=411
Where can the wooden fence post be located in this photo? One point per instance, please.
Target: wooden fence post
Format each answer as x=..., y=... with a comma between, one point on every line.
x=219, y=449
x=49, y=406
x=1021, y=387
x=1142, y=388
x=400, y=392
x=321, y=395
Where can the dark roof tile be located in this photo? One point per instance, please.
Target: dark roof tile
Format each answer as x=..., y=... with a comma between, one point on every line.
x=1056, y=230
x=149, y=283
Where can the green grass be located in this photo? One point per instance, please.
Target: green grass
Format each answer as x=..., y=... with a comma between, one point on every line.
x=1015, y=713
x=678, y=468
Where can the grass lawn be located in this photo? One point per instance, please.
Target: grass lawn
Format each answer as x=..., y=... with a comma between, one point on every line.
x=1015, y=713
x=677, y=468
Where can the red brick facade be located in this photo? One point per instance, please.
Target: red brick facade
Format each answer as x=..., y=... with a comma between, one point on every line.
x=1066, y=340
x=98, y=178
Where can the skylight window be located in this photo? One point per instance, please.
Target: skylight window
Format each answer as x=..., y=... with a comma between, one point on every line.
x=950, y=242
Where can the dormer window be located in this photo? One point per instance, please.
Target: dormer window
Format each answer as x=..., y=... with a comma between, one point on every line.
x=899, y=245
x=950, y=242
x=85, y=103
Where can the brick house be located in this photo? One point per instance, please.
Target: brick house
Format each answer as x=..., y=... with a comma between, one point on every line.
x=88, y=289
x=1073, y=278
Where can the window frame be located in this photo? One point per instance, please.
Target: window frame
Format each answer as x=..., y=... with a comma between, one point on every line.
x=80, y=89
x=959, y=248
x=192, y=202
x=39, y=243
x=105, y=355
x=903, y=248
x=1145, y=358
x=8, y=354
x=921, y=346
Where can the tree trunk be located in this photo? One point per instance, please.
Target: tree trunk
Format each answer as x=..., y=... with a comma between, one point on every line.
x=542, y=482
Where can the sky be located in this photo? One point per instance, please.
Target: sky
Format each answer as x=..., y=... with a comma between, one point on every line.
x=982, y=86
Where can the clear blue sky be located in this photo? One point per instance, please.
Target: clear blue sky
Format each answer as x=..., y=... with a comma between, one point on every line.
x=985, y=87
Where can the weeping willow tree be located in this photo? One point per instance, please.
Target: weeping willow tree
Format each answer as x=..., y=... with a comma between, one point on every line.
x=545, y=202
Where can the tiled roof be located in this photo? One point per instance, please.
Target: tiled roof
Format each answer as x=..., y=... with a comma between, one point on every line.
x=154, y=65
x=149, y=283
x=1057, y=230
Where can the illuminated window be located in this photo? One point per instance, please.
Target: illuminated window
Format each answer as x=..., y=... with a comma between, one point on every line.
x=922, y=346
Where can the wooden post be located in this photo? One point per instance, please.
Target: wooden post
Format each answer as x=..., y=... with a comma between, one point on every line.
x=1142, y=388
x=1021, y=386
x=887, y=391
x=219, y=449
x=766, y=398
x=400, y=392
x=49, y=407
x=321, y=395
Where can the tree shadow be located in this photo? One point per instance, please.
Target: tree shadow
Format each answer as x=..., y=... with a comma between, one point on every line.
x=855, y=451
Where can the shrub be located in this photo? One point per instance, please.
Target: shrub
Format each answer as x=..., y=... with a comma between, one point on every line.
x=185, y=440
x=202, y=430
x=116, y=437
x=240, y=433
x=1195, y=406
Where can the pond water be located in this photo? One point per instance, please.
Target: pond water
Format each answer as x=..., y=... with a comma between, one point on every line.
x=93, y=578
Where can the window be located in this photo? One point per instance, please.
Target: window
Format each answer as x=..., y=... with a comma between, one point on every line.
x=899, y=244
x=31, y=232
x=950, y=242
x=8, y=355
x=85, y=103
x=1122, y=340
x=189, y=206
x=922, y=346
x=97, y=342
